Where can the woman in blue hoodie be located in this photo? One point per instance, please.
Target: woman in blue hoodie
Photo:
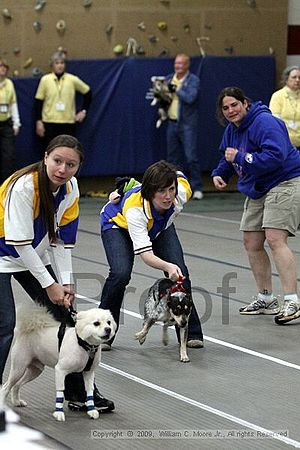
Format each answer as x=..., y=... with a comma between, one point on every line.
x=257, y=147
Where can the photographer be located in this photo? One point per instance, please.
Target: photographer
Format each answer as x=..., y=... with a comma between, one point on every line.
x=182, y=132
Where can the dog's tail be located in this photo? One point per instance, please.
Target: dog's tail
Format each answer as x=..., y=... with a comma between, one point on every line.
x=33, y=317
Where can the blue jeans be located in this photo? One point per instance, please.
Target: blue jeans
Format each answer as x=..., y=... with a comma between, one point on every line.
x=120, y=256
x=74, y=387
x=182, y=151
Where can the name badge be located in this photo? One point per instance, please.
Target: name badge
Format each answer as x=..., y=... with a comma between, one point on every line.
x=60, y=106
x=3, y=108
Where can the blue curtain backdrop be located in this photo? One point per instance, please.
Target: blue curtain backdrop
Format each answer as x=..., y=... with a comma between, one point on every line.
x=119, y=133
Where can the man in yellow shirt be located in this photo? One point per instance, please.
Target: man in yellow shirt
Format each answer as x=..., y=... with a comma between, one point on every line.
x=55, y=101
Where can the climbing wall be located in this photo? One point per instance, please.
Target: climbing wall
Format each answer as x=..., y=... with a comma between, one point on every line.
x=31, y=30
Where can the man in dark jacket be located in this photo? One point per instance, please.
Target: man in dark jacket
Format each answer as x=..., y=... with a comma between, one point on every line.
x=182, y=132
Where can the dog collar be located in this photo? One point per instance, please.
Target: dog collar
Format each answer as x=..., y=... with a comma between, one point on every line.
x=90, y=349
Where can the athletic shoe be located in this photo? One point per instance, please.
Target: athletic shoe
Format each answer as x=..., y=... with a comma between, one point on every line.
x=194, y=343
x=101, y=404
x=198, y=195
x=290, y=310
x=258, y=306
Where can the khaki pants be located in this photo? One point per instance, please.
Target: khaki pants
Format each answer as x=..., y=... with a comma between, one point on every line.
x=279, y=209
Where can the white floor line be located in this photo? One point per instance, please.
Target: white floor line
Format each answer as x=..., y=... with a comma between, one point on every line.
x=234, y=347
x=253, y=353
x=201, y=216
x=218, y=219
x=202, y=406
x=282, y=362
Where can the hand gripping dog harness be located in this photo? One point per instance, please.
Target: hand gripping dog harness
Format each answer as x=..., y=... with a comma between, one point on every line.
x=166, y=285
x=178, y=286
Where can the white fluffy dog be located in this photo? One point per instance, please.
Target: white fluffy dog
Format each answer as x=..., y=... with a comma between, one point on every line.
x=36, y=346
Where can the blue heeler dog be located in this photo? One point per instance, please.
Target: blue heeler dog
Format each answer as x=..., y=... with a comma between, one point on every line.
x=169, y=302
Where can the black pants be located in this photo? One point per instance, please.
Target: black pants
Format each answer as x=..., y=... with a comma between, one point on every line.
x=55, y=129
x=7, y=150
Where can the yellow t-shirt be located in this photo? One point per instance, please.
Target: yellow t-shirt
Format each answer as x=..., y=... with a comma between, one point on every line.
x=7, y=98
x=58, y=95
x=285, y=104
x=173, y=108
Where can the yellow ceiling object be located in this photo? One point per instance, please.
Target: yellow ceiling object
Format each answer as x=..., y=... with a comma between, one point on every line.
x=118, y=49
x=162, y=26
x=61, y=26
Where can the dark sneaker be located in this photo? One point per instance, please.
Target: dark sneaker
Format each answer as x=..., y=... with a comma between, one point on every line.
x=290, y=310
x=106, y=347
x=101, y=404
x=194, y=343
x=258, y=306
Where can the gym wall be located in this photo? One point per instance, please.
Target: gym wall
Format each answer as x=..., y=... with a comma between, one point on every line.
x=94, y=28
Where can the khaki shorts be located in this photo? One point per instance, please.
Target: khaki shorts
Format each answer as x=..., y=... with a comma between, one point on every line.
x=279, y=208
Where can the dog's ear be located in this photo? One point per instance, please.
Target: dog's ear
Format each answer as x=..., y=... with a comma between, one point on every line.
x=189, y=300
x=79, y=315
x=112, y=324
x=164, y=285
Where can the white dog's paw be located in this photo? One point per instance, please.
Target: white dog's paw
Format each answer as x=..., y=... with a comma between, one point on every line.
x=165, y=340
x=165, y=336
x=185, y=359
x=59, y=416
x=140, y=336
x=93, y=413
x=19, y=402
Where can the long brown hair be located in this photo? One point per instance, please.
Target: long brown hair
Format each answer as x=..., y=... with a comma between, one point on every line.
x=45, y=193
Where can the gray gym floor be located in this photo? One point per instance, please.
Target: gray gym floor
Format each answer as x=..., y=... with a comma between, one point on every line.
x=239, y=388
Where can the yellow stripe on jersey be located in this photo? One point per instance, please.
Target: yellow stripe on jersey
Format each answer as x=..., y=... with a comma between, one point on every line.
x=36, y=196
x=184, y=182
x=120, y=221
x=3, y=190
x=134, y=200
x=3, y=193
x=71, y=213
x=16, y=243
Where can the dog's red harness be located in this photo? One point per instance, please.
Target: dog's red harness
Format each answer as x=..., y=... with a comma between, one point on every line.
x=178, y=286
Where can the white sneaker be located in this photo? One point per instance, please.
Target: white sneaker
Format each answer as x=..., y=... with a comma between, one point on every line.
x=258, y=306
x=290, y=310
x=198, y=195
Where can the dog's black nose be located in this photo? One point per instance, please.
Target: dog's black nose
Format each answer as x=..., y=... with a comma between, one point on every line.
x=107, y=330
